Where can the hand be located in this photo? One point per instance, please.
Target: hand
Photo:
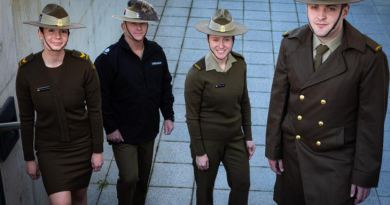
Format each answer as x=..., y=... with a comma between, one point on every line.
x=251, y=148
x=32, y=169
x=362, y=193
x=276, y=166
x=168, y=127
x=115, y=137
x=97, y=161
x=202, y=162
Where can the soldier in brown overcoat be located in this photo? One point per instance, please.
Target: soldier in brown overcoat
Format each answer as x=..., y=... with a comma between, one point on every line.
x=328, y=105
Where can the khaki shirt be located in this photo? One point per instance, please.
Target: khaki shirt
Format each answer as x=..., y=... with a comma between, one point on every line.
x=212, y=64
x=333, y=44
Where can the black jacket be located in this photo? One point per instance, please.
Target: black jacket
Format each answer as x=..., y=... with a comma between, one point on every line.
x=133, y=90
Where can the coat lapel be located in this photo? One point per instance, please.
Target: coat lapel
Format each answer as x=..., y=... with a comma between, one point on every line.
x=332, y=67
x=303, y=68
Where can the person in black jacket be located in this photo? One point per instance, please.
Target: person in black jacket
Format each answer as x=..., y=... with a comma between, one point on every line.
x=135, y=84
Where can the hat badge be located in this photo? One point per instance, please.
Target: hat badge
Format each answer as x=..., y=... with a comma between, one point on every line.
x=40, y=18
x=223, y=29
x=59, y=23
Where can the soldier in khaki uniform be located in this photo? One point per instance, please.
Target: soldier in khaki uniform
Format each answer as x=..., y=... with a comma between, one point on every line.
x=61, y=89
x=327, y=110
x=218, y=112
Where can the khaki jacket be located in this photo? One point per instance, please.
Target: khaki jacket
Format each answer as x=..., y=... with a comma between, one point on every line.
x=328, y=125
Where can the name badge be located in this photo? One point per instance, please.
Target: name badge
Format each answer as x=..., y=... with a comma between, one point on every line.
x=156, y=63
x=41, y=89
x=221, y=85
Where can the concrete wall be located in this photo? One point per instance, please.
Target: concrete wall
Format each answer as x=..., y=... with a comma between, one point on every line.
x=18, y=40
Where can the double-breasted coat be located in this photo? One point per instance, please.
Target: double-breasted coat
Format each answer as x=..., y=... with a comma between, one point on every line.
x=327, y=125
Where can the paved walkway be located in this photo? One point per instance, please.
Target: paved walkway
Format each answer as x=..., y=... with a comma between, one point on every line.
x=172, y=180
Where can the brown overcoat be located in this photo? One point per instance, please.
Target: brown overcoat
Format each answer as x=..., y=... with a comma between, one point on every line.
x=327, y=125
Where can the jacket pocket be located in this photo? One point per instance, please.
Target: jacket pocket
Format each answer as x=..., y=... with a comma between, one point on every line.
x=331, y=140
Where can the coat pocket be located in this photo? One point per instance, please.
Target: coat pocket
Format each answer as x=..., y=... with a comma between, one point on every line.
x=331, y=140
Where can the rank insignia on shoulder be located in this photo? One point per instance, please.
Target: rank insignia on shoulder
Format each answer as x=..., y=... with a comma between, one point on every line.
x=26, y=60
x=221, y=85
x=92, y=65
x=372, y=44
x=285, y=34
x=81, y=55
x=106, y=51
x=196, y=66
x=41, y=89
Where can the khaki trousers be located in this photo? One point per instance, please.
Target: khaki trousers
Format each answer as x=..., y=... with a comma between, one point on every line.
x=134, y=163
x=234, y=156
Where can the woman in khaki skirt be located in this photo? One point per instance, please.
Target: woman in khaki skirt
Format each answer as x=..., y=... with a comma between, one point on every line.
x=218, y=112
x=62, y=88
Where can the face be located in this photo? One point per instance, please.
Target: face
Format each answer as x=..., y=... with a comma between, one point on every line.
x=137, y=30
x=220, y=45
x=55, y=38
x=322, y=18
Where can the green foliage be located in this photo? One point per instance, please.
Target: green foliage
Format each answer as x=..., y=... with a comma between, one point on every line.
x=102, y=184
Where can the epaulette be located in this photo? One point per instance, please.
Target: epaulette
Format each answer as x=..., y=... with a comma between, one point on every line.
x=108, y=49
x=81, y=55
x=201, y=64
x=26, y=60
x=285, y=34
x=238, y=55
x=372, y=44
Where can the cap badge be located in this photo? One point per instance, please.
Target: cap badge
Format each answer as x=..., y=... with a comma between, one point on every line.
x=40, y=18
x=59, y=23
x=223, y=30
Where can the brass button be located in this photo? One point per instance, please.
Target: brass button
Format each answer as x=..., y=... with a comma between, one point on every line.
x=318, y=143
x=299, y=117
x=301, y=97
x=320, y=123
x=323, y=102
x=298, y=137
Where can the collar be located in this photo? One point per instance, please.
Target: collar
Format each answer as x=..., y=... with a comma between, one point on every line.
x=352, y=37
x=150, y=47
x=332, y=45
x=212, y=64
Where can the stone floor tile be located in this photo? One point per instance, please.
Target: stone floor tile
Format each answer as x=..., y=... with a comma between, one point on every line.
x=221, y=180
x=192, y=55
x=386, y=161
x=382, y=39
x=384, y=184
x=259, y=100
x=172, y=175
x=384, y=200
x=258, y=159
x=284, y=26
x=202, y=13
x=169, y=42
x=174, y=152
x=363, y=9
x=168, y=196
x=258, y=36
x=276, y=48
x=366, y=18
x=157, y=2
x=193, y=33
x=257, y=46
x=107, y=151
x=113, y=172
x=172, y=66
x=172, y=53
x=173, y=11
x=284, y=17
x=205, y=4
x=258, y=135
x=256, y=6
x=195, y=43
x=372, y=199
x=230, y=5
x=386, y=143
x=259, y=116
x=257, y=25
x=283, y=1
x=259, y=58
x=277, y=36
x=179, y=134
x=262, y=179
x=302, y=17
x=179, y=3
x=261, y=198
x=173, y=21
x=101, y=175
x=93, y=194
x=301, y=8
x=381, y=2
x=175, y=31
x=257, y=15
x=180, y=111
x=179, y=81
x=184, y=67
x=383, y=10
x=370, y=28
x=259, y=84
x=238, y=46
x=385, y=18
x=179, y=96
x=282, y=7
x=194, y=20
x=265, y=71
x=108, y=195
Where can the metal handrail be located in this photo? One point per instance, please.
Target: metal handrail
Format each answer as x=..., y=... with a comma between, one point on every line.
x=9, y=126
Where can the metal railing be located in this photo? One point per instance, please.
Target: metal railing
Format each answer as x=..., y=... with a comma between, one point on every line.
x=9, y=126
